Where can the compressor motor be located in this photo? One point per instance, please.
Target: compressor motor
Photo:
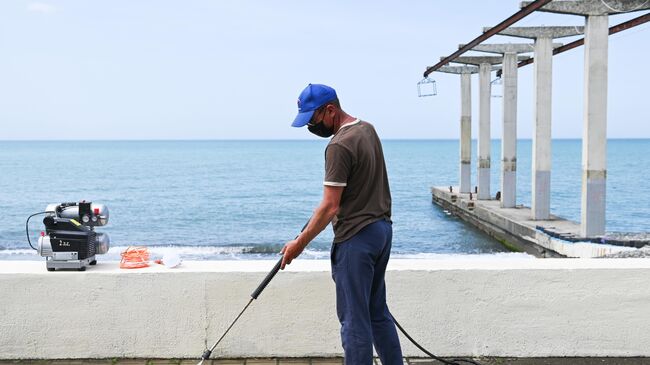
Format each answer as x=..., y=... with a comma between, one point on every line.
x=69, y=240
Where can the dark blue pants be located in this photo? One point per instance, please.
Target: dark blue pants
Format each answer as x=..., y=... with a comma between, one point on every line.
x=358, y=268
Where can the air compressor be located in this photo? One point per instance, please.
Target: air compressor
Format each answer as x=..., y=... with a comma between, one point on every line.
x=69, y=240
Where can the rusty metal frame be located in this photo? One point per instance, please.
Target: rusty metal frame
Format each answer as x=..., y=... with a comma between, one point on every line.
x=492, y=31
x=577, y=43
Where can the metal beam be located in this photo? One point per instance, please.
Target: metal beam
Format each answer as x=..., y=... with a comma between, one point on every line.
x=537, y=4
x=612, y=30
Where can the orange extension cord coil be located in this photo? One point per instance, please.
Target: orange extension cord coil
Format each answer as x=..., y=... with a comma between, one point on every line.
x=134, y=257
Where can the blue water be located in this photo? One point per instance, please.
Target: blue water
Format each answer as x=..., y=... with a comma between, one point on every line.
x=244, y=199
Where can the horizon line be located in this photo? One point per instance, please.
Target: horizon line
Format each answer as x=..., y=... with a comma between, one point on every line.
x=280, y=139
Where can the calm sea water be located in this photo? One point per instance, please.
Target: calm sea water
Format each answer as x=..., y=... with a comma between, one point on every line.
x=244, y=199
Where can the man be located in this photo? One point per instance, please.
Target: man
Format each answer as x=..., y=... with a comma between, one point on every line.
x=356, y=199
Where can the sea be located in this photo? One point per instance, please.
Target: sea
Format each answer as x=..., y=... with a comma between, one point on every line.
x=241, y=200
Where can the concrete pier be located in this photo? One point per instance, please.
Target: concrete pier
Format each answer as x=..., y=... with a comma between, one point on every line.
x=465, y=72
x=484, y=140
x=543, y=68
x=594, y=136
x=516, y=230
x=509, y=126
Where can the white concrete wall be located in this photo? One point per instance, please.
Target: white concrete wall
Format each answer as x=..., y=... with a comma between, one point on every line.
x=485, y=306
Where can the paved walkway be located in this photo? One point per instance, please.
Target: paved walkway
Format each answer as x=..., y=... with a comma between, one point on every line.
x=339, y=361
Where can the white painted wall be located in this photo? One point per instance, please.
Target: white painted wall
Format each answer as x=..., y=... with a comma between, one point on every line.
x=479, y=306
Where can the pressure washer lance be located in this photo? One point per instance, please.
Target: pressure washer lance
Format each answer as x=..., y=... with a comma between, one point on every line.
x=256, y=293
x=267, y=280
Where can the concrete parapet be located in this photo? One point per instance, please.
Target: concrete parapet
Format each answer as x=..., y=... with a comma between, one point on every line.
x=592, y=7
x=456, y=307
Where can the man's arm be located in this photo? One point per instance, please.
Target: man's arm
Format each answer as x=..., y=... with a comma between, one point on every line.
x=323, y=215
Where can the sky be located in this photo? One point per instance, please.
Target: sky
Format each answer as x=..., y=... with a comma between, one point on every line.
x=208, y=69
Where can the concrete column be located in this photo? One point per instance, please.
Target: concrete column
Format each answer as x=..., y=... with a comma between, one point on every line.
x=541, y=179
x=541, y=169
x=465, y=132
x=484, y=141
x=465, y=73
x=594, y=134
x=509, y=132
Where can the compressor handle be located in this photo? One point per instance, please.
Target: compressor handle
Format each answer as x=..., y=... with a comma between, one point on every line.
x=273, y=271
x=267, y=279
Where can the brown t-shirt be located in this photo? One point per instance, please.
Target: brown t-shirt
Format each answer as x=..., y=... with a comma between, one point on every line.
x=354, y=159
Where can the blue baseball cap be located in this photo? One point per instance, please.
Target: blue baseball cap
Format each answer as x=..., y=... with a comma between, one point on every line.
x=311, y=98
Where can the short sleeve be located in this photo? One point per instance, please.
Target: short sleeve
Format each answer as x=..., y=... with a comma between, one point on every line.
x=338, y=165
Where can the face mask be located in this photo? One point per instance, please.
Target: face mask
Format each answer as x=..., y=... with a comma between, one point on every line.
x=321, y=130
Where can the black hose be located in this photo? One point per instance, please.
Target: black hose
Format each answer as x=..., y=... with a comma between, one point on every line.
x=27, y=227
x=452, y=362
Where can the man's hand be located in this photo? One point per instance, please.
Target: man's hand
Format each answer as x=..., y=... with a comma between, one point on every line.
x=319, y=220
x=291, y=250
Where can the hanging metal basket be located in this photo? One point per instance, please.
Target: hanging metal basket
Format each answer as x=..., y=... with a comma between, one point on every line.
x=427, y=87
